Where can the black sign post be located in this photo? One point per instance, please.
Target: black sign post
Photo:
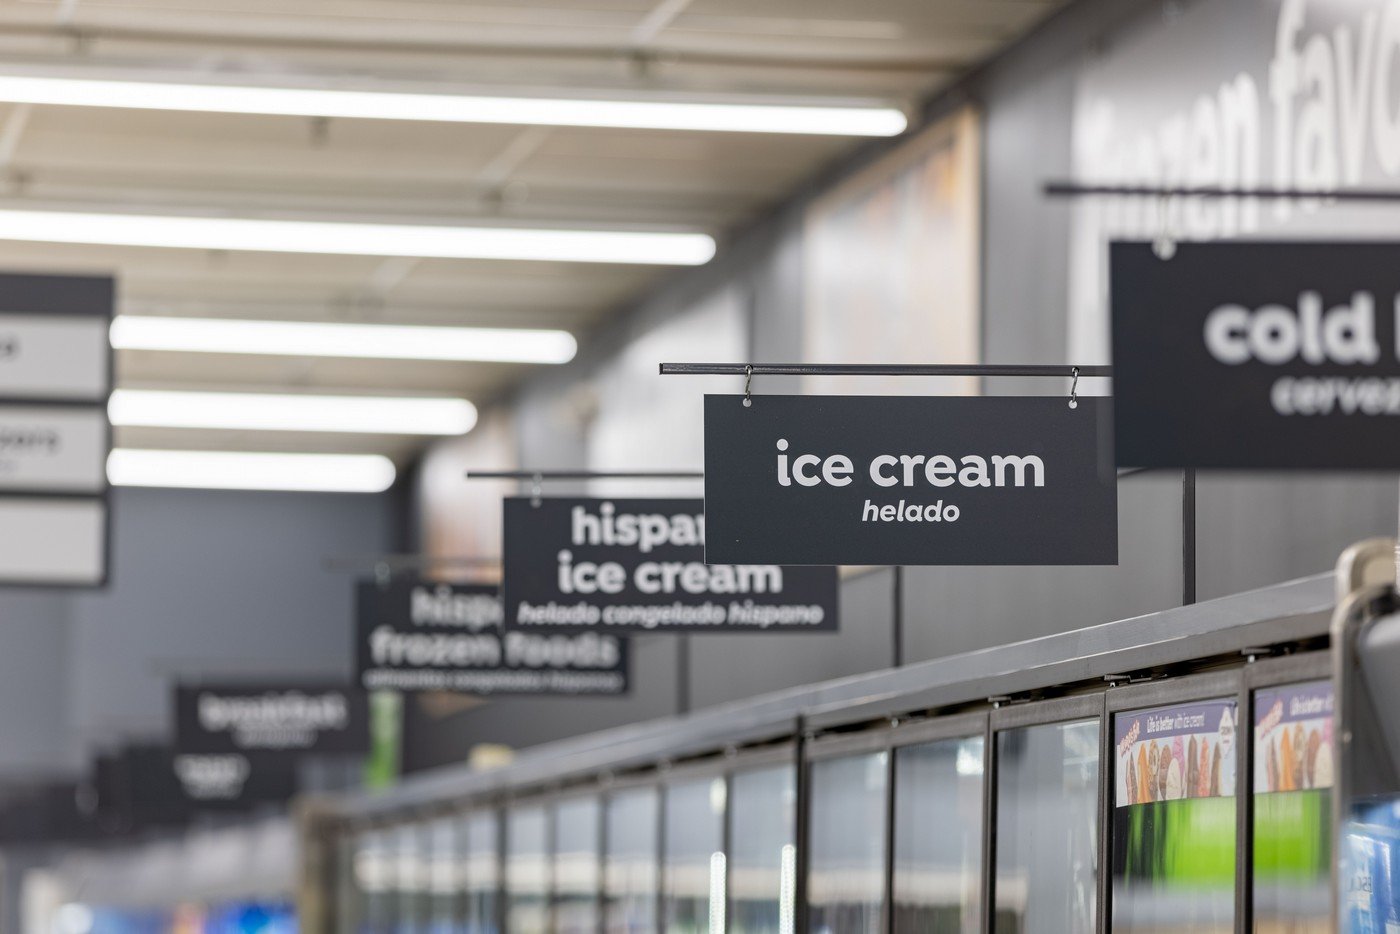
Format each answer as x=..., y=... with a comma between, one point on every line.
x=638, y=565
x=1257, y=355
x=418, y=636
x=271, y=721
x=909, y=480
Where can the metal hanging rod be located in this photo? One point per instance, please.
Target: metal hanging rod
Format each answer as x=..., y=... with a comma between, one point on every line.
x=543, y=475
x=404, y=562
x=1060, y=370
x=1077, y=190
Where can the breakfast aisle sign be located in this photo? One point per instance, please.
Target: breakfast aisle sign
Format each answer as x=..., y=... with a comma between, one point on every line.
x=909, y=480
x=1257, y=355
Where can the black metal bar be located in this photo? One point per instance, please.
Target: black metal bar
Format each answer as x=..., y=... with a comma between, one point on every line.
x=1188, y=537
x=897, y=636
x=801, y=828
x=887, y=919
x=683, y=674
x=1059, y=370
x=726, y=843
x=1077, y=190
x=987, y=890
x=1244, y=808
x=1103, y=883
x=584, y=475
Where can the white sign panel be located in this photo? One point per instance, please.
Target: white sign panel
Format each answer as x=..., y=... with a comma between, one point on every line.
x=52, y=541
x=54, y=357
x=59, y=449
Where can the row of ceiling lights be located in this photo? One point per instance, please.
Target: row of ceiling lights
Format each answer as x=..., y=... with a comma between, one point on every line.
x=361, y=414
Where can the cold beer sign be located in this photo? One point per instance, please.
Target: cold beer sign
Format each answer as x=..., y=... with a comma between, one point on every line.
x=1257, y=355
x=908, y=480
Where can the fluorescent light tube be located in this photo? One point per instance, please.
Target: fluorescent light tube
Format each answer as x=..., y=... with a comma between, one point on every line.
x=335, y=339
x=867, y=120
x=359, y=239
x=248, y=411
x=238, y=470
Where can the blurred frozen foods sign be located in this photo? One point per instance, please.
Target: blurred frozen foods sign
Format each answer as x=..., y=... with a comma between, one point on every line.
x=1176, y=753
x=421, y=636
x=55, y=375
x=639, y=565
x=292, y=720
x=1295, y=94
x=906, y=480
x=1257, y=355
x=1293, y=737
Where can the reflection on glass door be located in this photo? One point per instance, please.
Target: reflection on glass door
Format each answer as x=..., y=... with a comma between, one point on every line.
x=694, y=867
x=631, y=873
x=412, y=876
x=1293, y=772
x=1047, y=829
x=374, y=872
x=480, y=874
x=1174, y=819
x=527, y=871
x=577, y=870
x=846, y=872
x=938, y=837
x=444, y=877
x=763, y=851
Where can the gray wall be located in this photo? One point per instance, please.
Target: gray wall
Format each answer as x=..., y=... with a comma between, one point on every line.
x=204, y=584
x=1252, y=530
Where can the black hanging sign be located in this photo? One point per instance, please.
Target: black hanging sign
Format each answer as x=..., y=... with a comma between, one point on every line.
x=148, y=784
x=909, y=480
x=416, y=636
x=1257, y=355
x=287, y=720
x=638, y=565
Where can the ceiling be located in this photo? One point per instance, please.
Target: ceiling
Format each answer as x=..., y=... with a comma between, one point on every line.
x=94, y=159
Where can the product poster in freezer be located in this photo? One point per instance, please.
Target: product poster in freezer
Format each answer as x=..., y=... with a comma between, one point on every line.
x=1293, y=737
x=620, y=565
x=1174, y=753
x=422, y=636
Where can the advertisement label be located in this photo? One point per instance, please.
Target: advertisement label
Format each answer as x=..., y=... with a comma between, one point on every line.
x=1293, y=737
x=417, y=636
x=619, y=565
x=304, y=719
x=1175, y=753
x=1257, y=355
x=909, y=480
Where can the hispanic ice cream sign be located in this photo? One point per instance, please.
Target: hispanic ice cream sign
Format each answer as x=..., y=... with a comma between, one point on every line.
x=1177, y=752
x=1293, y=737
